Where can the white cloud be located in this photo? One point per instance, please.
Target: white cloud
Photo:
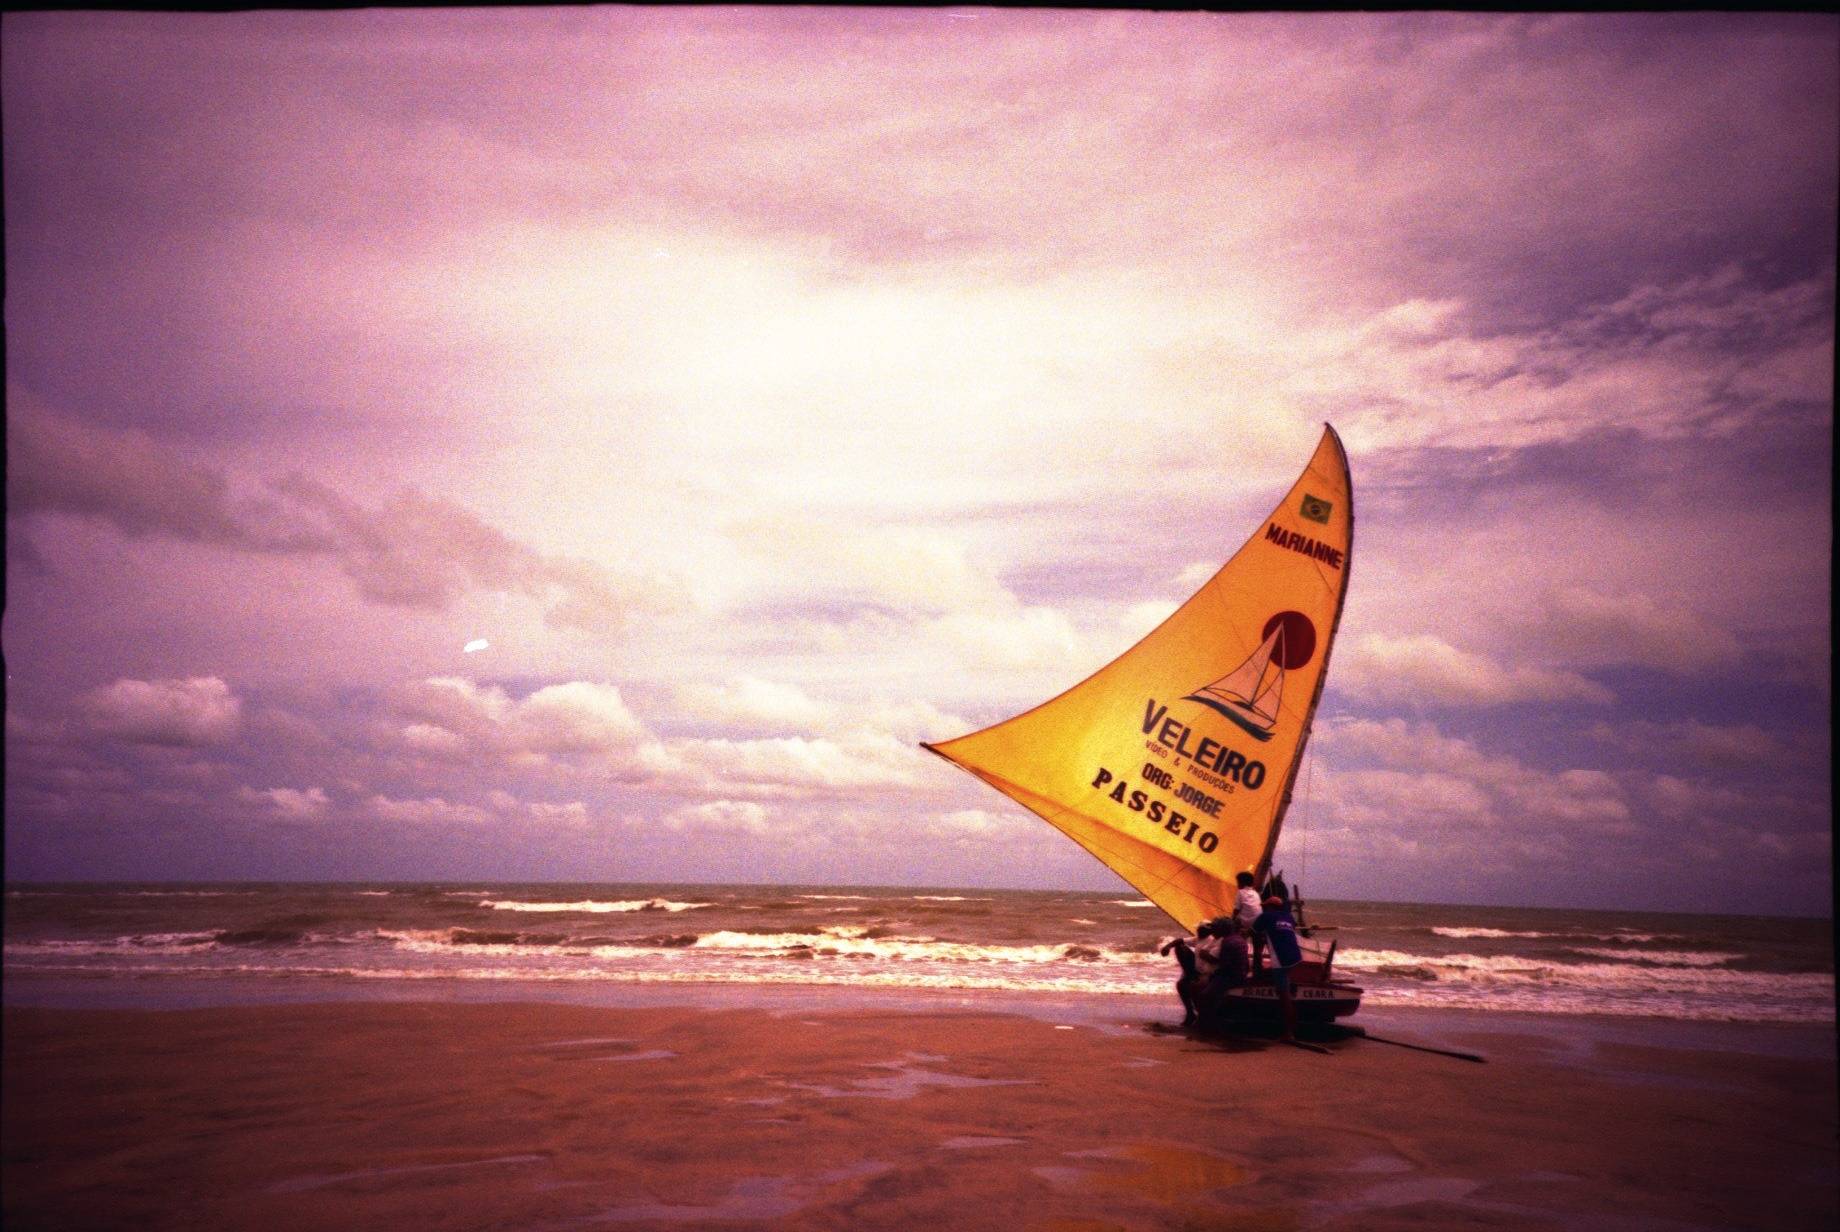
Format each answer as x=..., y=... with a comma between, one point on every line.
x=1593, y=800
x=433, y=739
x=1392, y=795
x=573, y=815
x=455, y=704
x=749, y=701
x=1422, y=667
x=1192, y=576
x=720, y=816
x=1663, y=355
x=289, y=802
x=1394, y=742
x=1591, y=628
x=914, y=570
x=926, y=579
x=910, y=722
x=58, y=463
x=1727, y=745
x=414, y=550
x=586, y=732
x=1140, y=618
x=1727, y=844
x=194, y=712
x=577, y=717
x=457, y=715
x=977, y=823
x=795, y=765
x=1430, y=781
x=1011, y=637
x=411, y=550
x=428, y=811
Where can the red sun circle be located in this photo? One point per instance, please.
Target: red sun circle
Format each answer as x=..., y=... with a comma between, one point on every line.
x=1297, y=645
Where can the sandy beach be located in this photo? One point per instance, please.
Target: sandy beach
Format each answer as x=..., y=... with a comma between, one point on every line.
x=529, y=1116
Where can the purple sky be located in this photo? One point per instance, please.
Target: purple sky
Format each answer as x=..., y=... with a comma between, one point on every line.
x=775, y=389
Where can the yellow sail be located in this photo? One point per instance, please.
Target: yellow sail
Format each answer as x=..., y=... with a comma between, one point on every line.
x=1173, y=763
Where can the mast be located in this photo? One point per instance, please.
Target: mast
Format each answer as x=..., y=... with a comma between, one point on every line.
x=1322, y=677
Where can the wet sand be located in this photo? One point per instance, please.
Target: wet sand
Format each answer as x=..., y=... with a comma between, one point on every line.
x=474, y=1116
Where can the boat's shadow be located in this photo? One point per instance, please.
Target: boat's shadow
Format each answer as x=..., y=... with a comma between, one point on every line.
x=1257, y=1037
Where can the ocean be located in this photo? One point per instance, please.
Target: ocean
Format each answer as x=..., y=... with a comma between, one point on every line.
x=126, y=942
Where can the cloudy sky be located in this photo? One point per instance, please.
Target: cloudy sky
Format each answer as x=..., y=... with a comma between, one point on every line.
x=772, y=390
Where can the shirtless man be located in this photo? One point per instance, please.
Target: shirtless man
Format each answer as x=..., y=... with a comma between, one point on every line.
x=1199, y=961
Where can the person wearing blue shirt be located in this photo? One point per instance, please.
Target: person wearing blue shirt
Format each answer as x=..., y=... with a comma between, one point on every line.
x=1279, y=931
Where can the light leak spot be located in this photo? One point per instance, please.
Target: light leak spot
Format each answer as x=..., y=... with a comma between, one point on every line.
x=475, y=646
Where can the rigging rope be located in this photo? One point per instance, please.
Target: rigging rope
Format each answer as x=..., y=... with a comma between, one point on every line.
x=1309, y=783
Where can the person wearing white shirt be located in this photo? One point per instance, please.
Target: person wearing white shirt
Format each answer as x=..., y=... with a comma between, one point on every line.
x=1248, y=906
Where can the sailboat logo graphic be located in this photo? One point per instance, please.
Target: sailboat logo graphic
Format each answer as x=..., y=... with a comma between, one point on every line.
x=1251, y=693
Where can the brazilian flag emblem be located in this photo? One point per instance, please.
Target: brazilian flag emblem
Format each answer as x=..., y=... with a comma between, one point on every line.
x=1315, y=509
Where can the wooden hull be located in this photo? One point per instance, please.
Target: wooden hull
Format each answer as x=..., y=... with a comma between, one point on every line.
x=1258, y=1002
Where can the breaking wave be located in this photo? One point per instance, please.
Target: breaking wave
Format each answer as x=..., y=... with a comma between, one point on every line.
x=1664, y=958
x=590, y=905
x=1467, y=932
x=1535, y=962
x=847, y=942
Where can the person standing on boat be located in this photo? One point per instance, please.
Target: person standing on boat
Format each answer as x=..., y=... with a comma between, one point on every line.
x=1247, y=906
x=1276, y=929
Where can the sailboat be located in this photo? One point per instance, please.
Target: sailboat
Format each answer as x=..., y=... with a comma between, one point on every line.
x=1173, y=764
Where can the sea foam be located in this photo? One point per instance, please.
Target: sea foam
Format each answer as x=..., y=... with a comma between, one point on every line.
x=595, y=907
